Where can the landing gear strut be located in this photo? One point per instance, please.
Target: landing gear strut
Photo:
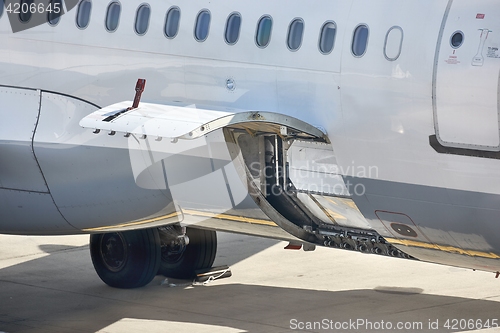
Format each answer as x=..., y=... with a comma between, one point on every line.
x=184, y=253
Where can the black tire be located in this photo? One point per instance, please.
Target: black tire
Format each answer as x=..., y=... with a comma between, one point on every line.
x=128, y=259
x=198, y=254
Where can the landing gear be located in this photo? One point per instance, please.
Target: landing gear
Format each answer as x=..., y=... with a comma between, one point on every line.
x=128, y=259
x=131, y=259
x=181, y=257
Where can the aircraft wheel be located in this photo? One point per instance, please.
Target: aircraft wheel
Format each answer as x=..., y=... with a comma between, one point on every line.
x=181, y=261
x=128, y=259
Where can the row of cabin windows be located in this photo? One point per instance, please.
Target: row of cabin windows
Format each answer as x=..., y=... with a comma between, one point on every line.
x=392, y=48
x=202, y=26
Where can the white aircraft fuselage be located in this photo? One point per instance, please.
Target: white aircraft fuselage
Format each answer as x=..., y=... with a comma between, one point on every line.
x=408, y=100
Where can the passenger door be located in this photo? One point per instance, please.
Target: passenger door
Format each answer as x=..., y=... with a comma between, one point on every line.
x=466, y=76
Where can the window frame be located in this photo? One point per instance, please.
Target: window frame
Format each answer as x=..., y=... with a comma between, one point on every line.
x=78, y=11
x=204, y=10
x=178, y=24
x=288, y=35
x=142, y=5
x=395, y=27
x=354, y=36
x=107, y=13
x=51, y=2
x=321, y=35
x=227, y=25
x=458, y=32
x=21, y=2
x=257, y=31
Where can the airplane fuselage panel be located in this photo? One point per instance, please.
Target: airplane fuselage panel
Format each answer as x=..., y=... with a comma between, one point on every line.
x=406, y=93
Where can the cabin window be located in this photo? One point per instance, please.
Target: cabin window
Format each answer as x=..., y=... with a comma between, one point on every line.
x=264, y=29
x=359, y=40
x=327, y=37
x=1, y=7
x=113, y=16
x=202, y=26
x=83, y=14
x=393, y=43
x=295, y=33
x=142, y=19
x=172, y=20
x=233, y=26
x=457, y=39
x=54, y=15
x=24, y=10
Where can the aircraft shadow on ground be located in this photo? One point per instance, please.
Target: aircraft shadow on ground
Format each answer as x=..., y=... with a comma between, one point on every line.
x=61, y=292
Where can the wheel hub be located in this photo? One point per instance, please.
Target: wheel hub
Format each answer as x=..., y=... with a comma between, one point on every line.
x=173, y=251
x=113, y=251
x=173, y=243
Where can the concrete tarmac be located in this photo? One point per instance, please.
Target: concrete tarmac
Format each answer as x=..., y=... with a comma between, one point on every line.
x=48, y=284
